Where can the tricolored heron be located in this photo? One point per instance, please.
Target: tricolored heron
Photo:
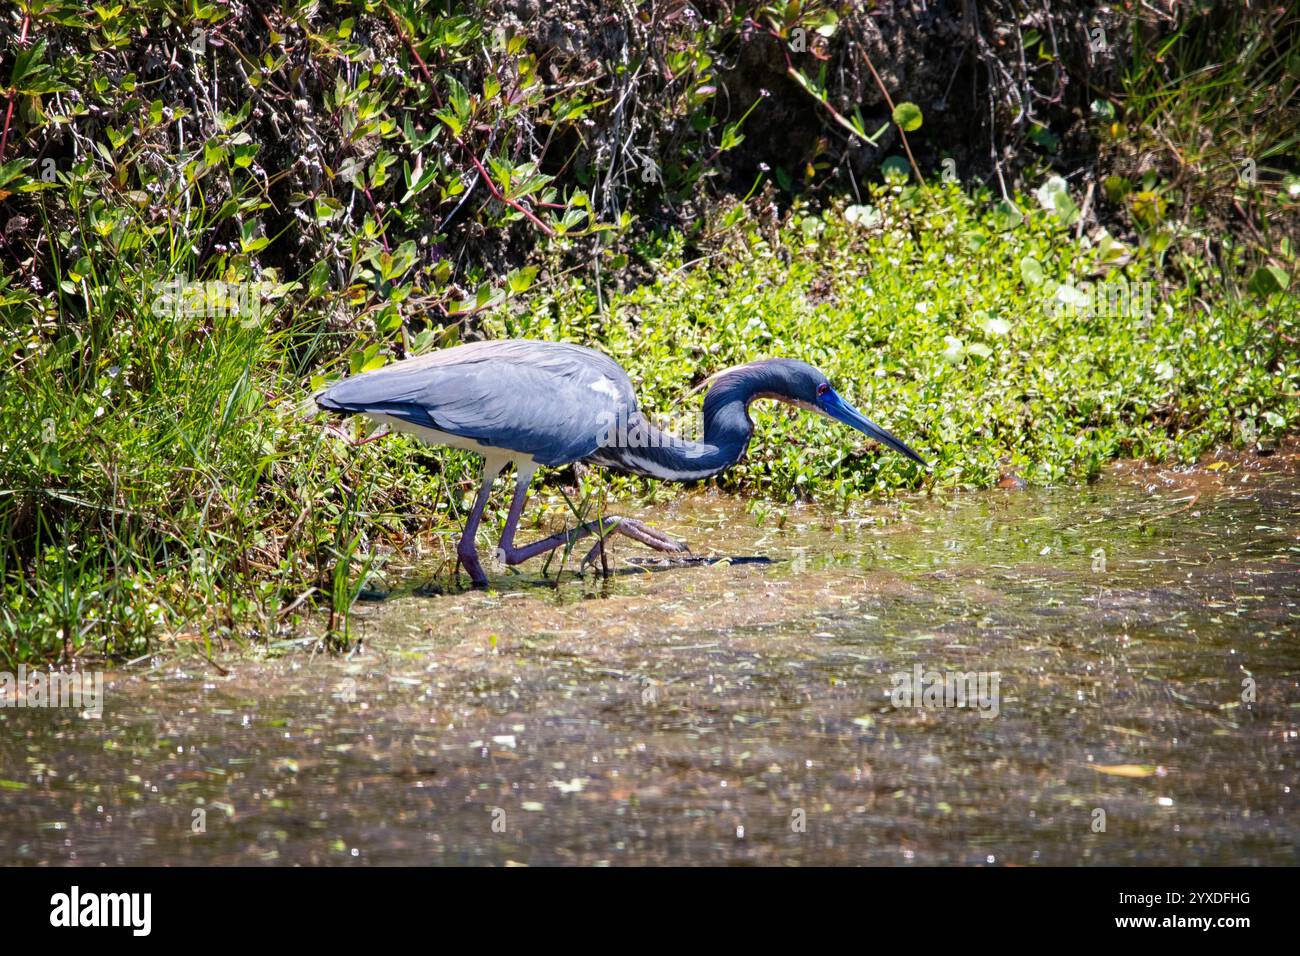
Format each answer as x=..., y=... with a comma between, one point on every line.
x=547, y=403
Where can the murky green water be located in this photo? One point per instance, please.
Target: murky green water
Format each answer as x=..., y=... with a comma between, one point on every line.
x=741, y=713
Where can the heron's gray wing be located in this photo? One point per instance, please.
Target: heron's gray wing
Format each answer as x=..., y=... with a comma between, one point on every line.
x=555, y=403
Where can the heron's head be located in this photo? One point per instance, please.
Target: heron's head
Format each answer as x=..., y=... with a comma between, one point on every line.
x=798, y=383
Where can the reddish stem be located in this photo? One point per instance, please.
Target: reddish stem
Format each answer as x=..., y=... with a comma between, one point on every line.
x=9, y=110
x=487, y=178
x=379, y=220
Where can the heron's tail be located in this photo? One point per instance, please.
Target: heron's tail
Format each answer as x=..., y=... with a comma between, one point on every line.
x=327, y=404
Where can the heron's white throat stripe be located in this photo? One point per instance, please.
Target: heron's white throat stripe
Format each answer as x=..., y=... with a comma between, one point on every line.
x=650, y=469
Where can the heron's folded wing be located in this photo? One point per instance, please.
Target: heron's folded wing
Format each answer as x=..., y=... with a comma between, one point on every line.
x=554, y=415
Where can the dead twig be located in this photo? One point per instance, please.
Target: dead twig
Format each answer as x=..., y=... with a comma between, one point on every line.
x=889, y=101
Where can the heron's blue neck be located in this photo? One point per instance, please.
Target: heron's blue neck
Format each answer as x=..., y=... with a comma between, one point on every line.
x=727, y=425
x=727, y=430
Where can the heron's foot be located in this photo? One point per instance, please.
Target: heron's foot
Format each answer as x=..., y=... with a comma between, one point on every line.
x=637, y=531
x=468, y=557
x=651, y=537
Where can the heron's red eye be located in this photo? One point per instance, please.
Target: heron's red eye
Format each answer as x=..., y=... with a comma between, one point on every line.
x=822, y=389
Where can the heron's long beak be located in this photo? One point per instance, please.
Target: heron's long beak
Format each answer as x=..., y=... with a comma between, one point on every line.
x=840, y=410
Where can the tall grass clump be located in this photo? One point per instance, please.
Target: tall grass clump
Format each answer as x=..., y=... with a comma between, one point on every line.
x=1201, y=140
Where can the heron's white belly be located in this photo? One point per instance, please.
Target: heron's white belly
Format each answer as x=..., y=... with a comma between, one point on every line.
x=492, y=454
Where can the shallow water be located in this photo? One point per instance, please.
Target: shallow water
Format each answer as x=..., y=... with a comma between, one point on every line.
x=741, y=712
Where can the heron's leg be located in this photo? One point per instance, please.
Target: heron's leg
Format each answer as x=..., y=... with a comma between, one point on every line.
x=523, y=477
x=509, y=554
x=466, y=553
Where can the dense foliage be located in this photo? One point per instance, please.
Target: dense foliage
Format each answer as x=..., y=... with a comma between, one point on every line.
x=208, y=210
